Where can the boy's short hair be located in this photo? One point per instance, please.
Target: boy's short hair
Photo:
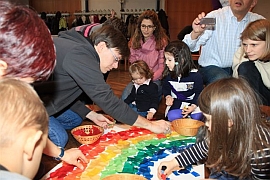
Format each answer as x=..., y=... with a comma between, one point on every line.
x=113, y=39
x=20, y=108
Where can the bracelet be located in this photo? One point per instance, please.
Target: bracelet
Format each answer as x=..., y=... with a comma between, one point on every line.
x=61, y=154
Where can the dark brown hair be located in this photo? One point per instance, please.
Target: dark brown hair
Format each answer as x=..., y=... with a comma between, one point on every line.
x=159, y=33
x=230, y=150
x=182, y=57
x=141, y=68
x=25, y=43
x=113, y=39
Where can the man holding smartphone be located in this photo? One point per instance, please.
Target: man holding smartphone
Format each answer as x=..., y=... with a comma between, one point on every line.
x=218, y=37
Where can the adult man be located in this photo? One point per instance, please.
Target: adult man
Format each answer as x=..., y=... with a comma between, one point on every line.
x=220, y=42
x=80, y=64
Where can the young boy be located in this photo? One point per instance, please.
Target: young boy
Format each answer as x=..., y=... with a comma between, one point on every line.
x=23, y=130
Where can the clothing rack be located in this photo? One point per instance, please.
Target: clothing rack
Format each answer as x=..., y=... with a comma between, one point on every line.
x=53, y=15
x=128, y=13
x=124, y=14
x=93, y=12
x=62, y=14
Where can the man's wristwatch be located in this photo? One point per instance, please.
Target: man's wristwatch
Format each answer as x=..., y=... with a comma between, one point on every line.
x=61, y=154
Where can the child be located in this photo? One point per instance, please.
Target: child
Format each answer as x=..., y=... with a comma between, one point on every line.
x=143, y=98
x=23, y=130
x=28, y=54
x=239, y=139
x=252, y=60
x=182, y=84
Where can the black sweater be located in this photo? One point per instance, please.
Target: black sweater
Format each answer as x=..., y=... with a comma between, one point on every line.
x=146, y=97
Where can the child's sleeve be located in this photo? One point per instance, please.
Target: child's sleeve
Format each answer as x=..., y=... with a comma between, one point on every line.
x=166, y=88
x=131, y=96
x=198, y=87
x=193, y=154
x=154, y=98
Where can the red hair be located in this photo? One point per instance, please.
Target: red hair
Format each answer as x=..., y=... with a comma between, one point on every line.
x=25, y=43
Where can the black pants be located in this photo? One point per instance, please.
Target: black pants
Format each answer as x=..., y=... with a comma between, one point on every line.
x=248, y=71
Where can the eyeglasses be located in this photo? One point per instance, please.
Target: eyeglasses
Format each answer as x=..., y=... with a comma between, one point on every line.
x=115, y=58
x=143, y=26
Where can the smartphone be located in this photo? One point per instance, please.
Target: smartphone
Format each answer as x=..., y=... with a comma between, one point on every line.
x=208, y=21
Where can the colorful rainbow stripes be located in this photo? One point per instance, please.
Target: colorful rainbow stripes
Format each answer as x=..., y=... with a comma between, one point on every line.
x=130, y=151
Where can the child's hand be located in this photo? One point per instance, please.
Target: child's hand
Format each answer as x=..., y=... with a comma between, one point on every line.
x=170, y=166
x=150, y=115
x=169, y=100
x=75, y=157
x=188, y=109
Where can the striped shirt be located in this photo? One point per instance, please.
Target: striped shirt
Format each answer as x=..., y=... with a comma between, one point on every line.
x=219, y=43
x=200, y=151
x=263, y=158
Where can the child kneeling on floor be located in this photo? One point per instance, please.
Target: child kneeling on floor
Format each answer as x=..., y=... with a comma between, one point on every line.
x=182, y=83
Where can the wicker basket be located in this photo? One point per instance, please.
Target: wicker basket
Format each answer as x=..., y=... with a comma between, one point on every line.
x=186, y=127
x=124, y=176
x=87, y=129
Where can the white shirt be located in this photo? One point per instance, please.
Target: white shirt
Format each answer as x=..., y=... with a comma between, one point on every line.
x=220, y=43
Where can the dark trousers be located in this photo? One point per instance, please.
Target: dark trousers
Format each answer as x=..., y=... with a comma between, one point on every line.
x=213, y=73
x=248, y=71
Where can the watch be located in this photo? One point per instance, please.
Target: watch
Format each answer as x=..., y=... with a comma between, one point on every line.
x=61, y=154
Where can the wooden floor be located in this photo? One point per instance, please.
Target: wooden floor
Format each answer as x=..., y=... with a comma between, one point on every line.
x=117, y=79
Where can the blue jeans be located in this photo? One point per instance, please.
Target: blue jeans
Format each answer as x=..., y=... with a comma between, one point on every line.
x=127, y=91
x=134, y=108
x=58, y=125
x=213, y=73
x=223, y=176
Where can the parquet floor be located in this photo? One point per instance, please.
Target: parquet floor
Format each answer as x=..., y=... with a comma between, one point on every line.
x=117, y=79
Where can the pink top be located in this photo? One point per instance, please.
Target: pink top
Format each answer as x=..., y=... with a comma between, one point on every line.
x=149, y=54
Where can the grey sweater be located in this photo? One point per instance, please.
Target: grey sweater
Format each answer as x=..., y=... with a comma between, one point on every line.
x=77, y=70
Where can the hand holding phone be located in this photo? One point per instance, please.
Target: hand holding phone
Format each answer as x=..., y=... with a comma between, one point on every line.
x=208, y=21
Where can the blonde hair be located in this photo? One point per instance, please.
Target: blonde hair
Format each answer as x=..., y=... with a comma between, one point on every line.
x=21, y=108
x=258, y=30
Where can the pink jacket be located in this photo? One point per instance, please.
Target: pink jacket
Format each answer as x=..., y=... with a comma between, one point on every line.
x=149, y=54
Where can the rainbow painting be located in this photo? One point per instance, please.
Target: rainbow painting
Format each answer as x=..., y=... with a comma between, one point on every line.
x=125, y=149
